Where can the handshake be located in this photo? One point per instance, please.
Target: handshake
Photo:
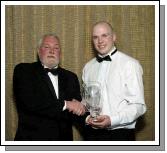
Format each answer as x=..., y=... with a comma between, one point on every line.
x=75, y=107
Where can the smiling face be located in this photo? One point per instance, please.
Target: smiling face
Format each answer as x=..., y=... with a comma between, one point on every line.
x=103, y=38
x=49, y=51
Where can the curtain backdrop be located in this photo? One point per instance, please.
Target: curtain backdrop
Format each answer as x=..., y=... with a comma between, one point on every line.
x=134, y=26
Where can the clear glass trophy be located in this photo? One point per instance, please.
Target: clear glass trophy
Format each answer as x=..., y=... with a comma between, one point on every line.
x=92, y=98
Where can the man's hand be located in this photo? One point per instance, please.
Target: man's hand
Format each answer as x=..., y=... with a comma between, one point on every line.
x=75, y=107
x=103, y=121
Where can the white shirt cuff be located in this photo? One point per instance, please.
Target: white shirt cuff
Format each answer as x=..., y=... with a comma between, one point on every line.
x=115, y=121
x=65, y=106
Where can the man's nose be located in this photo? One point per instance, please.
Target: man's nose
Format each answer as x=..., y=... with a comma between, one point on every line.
x=100, y=40
x=52, y=50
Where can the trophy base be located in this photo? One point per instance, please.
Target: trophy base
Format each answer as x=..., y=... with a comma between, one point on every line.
x=95, y=120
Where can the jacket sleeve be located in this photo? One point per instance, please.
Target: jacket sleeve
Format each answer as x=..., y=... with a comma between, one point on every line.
x=78, y=121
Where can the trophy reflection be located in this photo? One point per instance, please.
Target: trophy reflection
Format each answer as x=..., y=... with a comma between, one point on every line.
x=92, y=98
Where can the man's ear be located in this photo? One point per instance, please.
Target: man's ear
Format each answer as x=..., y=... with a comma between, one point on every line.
x=114, y=37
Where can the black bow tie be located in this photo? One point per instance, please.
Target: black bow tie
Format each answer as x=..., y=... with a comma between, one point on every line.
x=106, y=58
x=53, y=71
x=101, y=59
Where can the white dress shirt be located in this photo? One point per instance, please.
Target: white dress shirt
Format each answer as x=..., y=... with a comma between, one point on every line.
x=54, y=80
x=121, y=87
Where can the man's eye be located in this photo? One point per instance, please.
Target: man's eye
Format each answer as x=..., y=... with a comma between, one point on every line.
x=46, y=47
x=94, y=37
x=104, y=36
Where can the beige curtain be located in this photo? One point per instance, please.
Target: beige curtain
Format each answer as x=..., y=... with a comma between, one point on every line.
x=134, y=26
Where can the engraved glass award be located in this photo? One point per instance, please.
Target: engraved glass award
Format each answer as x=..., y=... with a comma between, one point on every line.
x=92, y=98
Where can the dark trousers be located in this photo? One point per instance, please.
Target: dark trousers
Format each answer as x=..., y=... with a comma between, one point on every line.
x=109, y=135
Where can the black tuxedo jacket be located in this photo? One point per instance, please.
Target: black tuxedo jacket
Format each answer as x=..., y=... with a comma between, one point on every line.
x=40, y=113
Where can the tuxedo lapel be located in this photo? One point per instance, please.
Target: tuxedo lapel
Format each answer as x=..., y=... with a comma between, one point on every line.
x=61, y=84
x=50, y=85
x=45, y=78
